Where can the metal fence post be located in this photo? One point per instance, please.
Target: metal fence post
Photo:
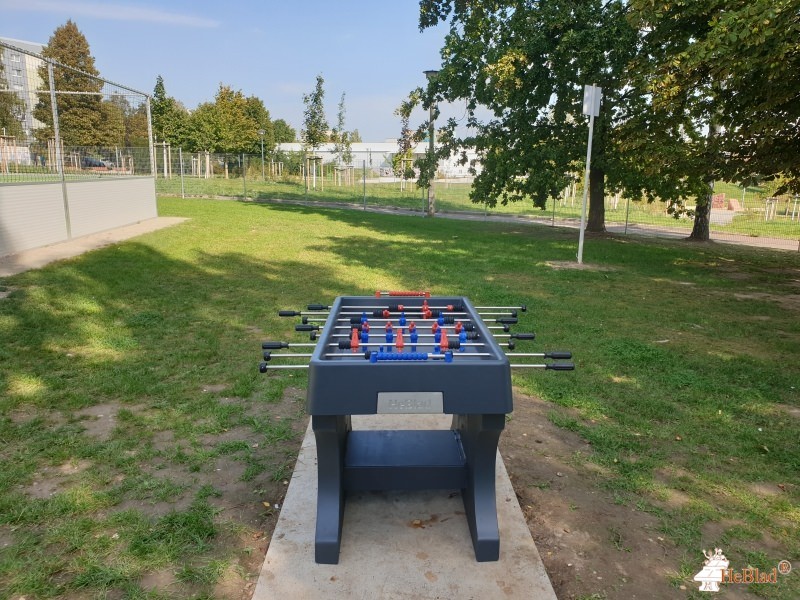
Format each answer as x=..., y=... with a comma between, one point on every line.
x=244, y=176
x=364, y=177
x=150, y=144
x=180, y=158
x=59, y=154
x=627, y=212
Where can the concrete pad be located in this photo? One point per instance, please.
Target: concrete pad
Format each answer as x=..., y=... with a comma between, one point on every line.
x=11, y=264
x=398, y=544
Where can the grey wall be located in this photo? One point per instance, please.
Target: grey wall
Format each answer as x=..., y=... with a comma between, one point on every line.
x=33, y=215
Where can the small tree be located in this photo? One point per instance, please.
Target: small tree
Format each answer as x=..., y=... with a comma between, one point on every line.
x=315, y=126
x=401, y=162
x=341, y=137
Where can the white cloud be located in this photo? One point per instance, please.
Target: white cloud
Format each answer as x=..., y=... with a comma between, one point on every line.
x=114, y=12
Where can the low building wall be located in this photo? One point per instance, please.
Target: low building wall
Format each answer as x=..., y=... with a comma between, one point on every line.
x=34, y=215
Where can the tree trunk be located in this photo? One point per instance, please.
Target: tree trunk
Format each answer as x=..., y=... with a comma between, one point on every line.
x=597, y=205
x=701, y=231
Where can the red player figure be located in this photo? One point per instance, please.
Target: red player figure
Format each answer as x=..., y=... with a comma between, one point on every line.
x=365, y=327
x=435, y=328
x=399, y=343
x=459, y=326
x=354, y=341
x=412, y=327
x=443, y=344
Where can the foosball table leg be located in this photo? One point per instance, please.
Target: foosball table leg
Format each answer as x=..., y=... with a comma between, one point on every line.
x=330, y=433
x=479, y=437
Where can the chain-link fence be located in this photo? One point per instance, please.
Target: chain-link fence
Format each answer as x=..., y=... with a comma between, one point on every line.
x=749, y=213
x=58, y=122
x=75, y=152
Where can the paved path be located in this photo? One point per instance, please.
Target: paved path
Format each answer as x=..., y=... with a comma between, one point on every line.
x=398, y=545
x=11, y=264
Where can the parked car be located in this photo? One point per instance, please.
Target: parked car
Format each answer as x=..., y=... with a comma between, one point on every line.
x=90, y=162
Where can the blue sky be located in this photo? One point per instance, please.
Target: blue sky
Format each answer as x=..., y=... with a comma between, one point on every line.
x=371, y=50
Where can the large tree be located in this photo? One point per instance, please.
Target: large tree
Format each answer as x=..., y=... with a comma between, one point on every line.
x=527, y=62
x=80, y=114
x=168, y=115
x=228, y=124
x=720, y=78
x=258, y=113
x=283, y=131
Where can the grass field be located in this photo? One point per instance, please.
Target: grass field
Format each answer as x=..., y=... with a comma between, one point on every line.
x=130, y=405
x=453, y=196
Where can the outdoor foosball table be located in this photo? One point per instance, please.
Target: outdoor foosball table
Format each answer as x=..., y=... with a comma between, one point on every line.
x=428, y=355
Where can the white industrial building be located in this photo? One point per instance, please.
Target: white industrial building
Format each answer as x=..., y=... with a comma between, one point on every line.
x=378, y=155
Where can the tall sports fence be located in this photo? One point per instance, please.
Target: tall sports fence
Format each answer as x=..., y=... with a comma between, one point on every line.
x=75, y=152
x=753, y=215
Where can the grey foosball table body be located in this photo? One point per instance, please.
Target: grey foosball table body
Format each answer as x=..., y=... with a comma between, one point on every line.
x=475, y=389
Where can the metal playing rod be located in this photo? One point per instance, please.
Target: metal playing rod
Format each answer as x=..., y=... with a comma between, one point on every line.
x=523, y=308
x=407, y=343
x=556, y=355
x=270, y=356
x=280, y=345
x=264, y=366
x=447, y=313
x=548, y=367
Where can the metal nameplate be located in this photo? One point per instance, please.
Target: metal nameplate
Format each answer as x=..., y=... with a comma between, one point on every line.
x=410, y=403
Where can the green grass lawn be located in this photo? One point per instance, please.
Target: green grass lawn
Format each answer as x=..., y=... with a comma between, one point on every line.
x=452, y=196
x=686, y=383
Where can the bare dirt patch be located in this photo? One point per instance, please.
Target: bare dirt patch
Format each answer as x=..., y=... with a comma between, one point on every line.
x=589, y=543
x=564, y=264
x=99, y=420
x=788, y=301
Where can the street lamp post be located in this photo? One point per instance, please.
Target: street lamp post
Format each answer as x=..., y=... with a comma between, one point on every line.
x=431, y=194
x=261, y=133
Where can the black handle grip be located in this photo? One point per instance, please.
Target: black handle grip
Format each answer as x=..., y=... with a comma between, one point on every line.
x=313, y=336
x=511, y=345
x=523, y=308
x=558, y=355
x=267, y=355
x=262, y=368
x=506, y=328
x=507, y=320
x=306, y=327
x=317, y=307
x=560, y=367
x=513, y=313
x=273, y=345
x=288, y=313
x=523, y=336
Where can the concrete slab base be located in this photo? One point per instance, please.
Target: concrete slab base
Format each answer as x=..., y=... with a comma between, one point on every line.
x=11, y=264
x=398, y=544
